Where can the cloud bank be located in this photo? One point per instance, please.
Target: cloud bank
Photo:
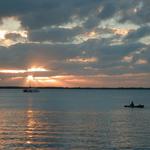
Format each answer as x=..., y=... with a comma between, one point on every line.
x=100, y=43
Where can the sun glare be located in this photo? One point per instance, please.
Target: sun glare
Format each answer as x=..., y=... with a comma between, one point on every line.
x=10, y=71
x=41, y=81
x=36, y=69
x=2, y=34
x=33, y=76
x=30, y=78
x=16, y=71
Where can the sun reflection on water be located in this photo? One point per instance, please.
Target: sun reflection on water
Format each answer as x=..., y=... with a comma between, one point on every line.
x=31, y=123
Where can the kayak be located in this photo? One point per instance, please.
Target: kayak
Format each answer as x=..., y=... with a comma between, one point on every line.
x=135, y=106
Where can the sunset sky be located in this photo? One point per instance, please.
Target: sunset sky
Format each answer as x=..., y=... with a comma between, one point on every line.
x=75, y=43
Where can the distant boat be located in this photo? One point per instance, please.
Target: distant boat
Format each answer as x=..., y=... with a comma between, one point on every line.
x=31, y=90
x=134, y=106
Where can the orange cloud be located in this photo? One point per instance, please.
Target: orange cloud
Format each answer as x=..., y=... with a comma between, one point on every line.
x=42, y=81
x=10, y=71
x=141, y=62
x=18, y=71
x=122, y=32
x=83, y=60
x=127, y=58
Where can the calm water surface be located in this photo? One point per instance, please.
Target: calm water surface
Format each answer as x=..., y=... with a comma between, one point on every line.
x=74, y=120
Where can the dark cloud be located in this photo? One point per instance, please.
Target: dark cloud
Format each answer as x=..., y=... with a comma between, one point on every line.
x=55, y=56
x=54, y=35
x=139, y=33
x=36, y=14
x=144, y=13
x=23, y=55
x=13, y=36
x=109, y=9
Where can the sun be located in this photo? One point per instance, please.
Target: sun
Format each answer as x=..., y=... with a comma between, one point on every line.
x=30, y=78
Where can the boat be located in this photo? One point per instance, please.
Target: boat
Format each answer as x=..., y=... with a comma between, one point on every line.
x=134, y=106
x=30, y=90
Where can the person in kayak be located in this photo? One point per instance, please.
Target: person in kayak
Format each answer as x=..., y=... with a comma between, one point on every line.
x=132, y=104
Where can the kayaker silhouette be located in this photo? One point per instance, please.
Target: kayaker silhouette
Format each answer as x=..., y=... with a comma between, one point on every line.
x=132, y=104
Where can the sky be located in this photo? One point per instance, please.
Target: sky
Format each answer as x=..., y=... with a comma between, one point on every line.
x=75, y=43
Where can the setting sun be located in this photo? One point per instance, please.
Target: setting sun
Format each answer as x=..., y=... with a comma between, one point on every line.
x=30, y=78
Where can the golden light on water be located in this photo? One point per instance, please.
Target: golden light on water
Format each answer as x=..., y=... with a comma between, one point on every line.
x=31, y=124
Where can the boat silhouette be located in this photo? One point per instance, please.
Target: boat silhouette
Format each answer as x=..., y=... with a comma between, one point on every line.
x=131, y=105
x=30, y=90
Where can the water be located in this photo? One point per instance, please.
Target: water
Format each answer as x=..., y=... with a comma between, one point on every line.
x=74, y=120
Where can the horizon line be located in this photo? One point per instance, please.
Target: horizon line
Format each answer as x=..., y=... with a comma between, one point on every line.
x=55, y=87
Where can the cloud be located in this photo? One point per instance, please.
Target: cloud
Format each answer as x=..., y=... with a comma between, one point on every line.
x=139, y=33
x=141, y=62
x=55, y=12
x=127, y=59
x=77, y=38
x=54, y=34
x=82, y=60
x=13, y=36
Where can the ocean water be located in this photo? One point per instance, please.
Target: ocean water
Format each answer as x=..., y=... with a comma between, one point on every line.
x=61, y=119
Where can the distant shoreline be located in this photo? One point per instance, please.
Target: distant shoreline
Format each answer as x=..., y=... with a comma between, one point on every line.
x=90, y=88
